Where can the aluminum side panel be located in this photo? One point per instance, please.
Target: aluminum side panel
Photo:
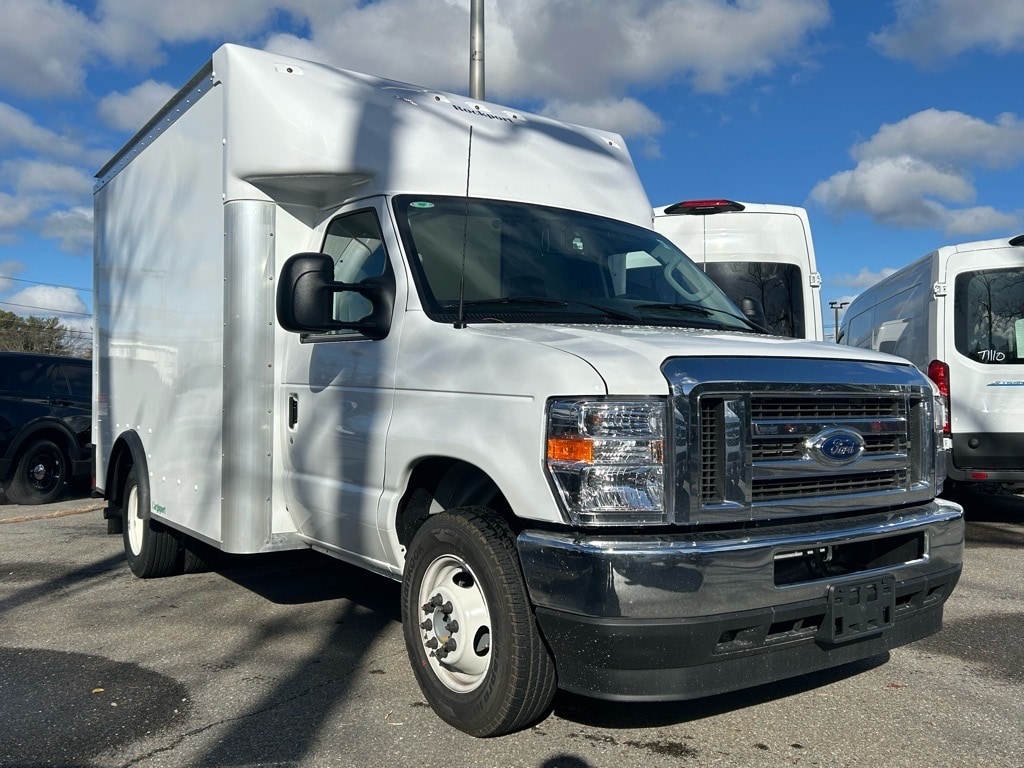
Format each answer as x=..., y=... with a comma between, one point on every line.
x=248, y=395
x=159, y=275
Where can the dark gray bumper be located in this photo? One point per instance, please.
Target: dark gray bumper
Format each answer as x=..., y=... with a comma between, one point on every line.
x=675, y=617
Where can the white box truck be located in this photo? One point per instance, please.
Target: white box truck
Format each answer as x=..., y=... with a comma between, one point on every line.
x=437, y=338
x=760, y=254
x=957, y=313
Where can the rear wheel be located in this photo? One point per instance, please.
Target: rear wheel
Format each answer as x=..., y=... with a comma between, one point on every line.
x=151, y=550
x=40, y=475
x=469, y=629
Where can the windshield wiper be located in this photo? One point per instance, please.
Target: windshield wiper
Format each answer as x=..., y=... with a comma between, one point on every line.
x=690, y=309
x=509, y=300
x=607, y=311
x=697, y=309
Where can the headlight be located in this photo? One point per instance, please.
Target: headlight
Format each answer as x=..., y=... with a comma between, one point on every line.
x=607, y=459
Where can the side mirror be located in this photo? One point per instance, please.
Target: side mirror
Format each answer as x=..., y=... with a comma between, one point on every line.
x=305, y=298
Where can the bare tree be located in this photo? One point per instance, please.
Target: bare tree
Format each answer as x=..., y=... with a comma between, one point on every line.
x=41, y=334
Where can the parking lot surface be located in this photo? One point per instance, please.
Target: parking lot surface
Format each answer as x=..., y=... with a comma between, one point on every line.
x=298, y=660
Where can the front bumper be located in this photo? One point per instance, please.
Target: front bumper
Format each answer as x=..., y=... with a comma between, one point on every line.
x=684, y=616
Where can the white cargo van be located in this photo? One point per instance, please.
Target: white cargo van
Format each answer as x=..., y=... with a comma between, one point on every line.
x=958, y=315
x=760, y=254
x=436, y=337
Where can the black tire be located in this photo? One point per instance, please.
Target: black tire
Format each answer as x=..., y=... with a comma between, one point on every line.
x=151, y=550
x=41, y=474
x=197, y=556
x=470, y=631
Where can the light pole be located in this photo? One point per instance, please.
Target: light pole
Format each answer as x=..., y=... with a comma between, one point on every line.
x=476, y=49
x=835, y=306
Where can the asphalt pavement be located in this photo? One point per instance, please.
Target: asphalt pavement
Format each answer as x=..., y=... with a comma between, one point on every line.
x=298, y=660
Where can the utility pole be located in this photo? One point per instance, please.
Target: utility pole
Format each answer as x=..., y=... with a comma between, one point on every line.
x=476, y=49
x=835, y=306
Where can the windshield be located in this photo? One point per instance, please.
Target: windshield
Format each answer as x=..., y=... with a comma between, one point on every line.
x=989, y=315
x=514, y=262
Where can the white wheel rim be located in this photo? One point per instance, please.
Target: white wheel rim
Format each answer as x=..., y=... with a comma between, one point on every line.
x=455, y=624
x=133, y=518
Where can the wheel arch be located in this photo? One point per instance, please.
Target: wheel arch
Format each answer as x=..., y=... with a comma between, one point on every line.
x=55, y=431
x=127, y=452
x=439, y=483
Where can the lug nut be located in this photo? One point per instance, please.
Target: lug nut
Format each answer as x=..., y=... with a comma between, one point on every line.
x=427, y=625
x=452, y=626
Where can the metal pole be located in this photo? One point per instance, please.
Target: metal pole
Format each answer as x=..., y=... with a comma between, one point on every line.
x=836, y=306
x=476, y=49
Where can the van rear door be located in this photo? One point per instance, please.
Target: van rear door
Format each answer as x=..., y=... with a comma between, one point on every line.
x=985, y=355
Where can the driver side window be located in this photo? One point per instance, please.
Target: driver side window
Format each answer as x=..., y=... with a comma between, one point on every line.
x=356, y=246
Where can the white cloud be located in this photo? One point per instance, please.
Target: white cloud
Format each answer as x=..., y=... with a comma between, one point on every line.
x=31, y=176
x=130, y=110
x=863, y=279
x=72, y=227
x=949, y=137
x=973, y=221
x=44, y=47
x=19, y=131
x=572, y=57
x=915, y=173
x=626, y=116
x=8, y=270
x=929, y=31
x=15, y=211
x=46, y=300
x=572, y=51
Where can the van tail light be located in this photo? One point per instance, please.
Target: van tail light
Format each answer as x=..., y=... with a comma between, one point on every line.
x=938, y=372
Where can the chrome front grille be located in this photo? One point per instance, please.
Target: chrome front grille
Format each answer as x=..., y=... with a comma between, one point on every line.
x=767, y=448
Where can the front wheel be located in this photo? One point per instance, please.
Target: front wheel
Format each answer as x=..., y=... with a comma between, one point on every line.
x=40, y=475
x=469, y=629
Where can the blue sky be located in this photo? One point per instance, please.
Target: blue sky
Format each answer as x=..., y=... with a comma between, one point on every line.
x=897, y=124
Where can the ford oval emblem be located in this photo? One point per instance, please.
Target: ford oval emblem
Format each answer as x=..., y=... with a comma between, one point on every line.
x=836, y=447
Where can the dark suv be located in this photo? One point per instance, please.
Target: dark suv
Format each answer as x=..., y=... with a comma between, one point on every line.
x=45, y=422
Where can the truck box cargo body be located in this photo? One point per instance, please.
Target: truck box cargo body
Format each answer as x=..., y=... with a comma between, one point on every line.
x=758, y=251
x=430, y=336
x=957, y=313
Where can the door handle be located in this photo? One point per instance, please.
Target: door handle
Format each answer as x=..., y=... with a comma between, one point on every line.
x=293, y=411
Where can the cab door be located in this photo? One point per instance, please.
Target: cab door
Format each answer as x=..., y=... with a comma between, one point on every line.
x=338, y=392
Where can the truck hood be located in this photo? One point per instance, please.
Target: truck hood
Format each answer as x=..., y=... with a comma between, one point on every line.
x=629, y=358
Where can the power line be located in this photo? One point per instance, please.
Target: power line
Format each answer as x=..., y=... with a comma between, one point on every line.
x=47, y=285
x=47, y=309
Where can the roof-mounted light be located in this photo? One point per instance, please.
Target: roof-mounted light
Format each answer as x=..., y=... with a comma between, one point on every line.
x=703, y=207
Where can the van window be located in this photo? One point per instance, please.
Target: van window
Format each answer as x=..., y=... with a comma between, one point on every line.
x=989, y=315
x=857, y=329
x=777, y=286
x=355, y=244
